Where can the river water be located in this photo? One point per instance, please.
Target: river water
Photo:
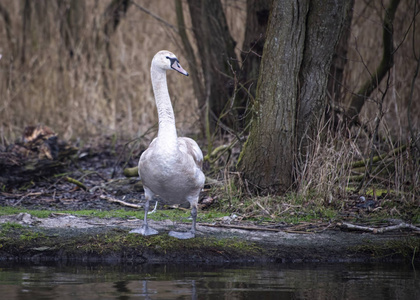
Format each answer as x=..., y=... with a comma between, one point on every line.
x=184, y=281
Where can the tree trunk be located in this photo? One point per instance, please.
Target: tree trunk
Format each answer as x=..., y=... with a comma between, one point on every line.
x=258, y=12
x=267, y=158
x=324, y=26
x=218, y=59
x=189, y=53
x=291, y=90
x=339, y=61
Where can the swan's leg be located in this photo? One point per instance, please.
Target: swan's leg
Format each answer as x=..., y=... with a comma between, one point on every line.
x=145, y=229
x=189, y=234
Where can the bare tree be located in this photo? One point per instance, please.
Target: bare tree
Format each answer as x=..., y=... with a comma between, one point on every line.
x=218, y=60
x=291, y=91
x=359, y=98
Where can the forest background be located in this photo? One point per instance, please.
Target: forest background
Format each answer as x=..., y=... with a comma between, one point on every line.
x=82, y=68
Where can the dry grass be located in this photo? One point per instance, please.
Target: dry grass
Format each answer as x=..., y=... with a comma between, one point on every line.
x=330, y=173
x=68, y=94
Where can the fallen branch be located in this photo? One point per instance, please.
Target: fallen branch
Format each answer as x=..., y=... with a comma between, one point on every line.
x=375, y=159
x=112, y=199
x=251, y=228
x=131, y=172
x=76, y=182
x=382, y=229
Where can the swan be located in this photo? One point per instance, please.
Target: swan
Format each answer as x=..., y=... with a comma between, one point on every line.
x=171, y=166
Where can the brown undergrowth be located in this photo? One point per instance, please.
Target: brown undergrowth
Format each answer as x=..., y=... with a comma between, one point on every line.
x=328, y=183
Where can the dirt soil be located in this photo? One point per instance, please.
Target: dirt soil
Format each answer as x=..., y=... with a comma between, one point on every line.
x=66, y=237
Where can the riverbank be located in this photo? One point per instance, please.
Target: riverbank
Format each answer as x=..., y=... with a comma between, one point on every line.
x=58, y=218
x=70, y=238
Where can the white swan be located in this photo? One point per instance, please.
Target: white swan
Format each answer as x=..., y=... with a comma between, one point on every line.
x=171, y=166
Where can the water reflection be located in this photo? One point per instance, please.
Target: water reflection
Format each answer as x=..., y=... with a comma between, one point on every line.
x=176, y=281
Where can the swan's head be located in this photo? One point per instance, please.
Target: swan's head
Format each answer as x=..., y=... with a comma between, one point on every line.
x=166, y=60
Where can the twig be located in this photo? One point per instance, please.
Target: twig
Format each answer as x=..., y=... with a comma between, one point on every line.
x=112, y=199
x=382, y=229
x=155, y=16
x=264, y=209
x=24, y=196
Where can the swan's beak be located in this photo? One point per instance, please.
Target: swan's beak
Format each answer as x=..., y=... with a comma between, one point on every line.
x=177, y=67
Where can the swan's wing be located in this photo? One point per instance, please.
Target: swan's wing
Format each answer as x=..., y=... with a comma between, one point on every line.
x=190, y=147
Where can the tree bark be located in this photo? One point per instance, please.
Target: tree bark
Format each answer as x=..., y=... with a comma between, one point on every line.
x=324, y=26
x=291, y=90
x=257, y=15
x=335, y=81
x=258, y=12
x=266, y=161
x=218, y=59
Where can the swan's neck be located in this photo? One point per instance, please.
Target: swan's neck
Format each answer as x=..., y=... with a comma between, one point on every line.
x=167, y=130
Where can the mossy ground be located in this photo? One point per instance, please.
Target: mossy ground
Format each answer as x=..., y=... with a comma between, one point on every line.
x=19, y=241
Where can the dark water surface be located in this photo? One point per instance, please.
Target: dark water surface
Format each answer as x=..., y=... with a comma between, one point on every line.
x=277, y=281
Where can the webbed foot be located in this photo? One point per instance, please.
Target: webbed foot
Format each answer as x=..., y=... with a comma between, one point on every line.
x=144, y=230
x=182, y=235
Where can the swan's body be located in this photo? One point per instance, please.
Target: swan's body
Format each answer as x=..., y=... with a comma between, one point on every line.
x=171, y=166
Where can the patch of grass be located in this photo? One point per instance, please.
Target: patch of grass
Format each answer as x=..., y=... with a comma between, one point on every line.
x=19, y=235
x=160, y=215
x=120, y=213
x=10, y=225
x=28, y=236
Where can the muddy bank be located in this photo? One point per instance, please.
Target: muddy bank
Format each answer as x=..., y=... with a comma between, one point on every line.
x=68, y=238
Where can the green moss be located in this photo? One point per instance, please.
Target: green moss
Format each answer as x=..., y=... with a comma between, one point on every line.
x=408, y=248
x=119, y=241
